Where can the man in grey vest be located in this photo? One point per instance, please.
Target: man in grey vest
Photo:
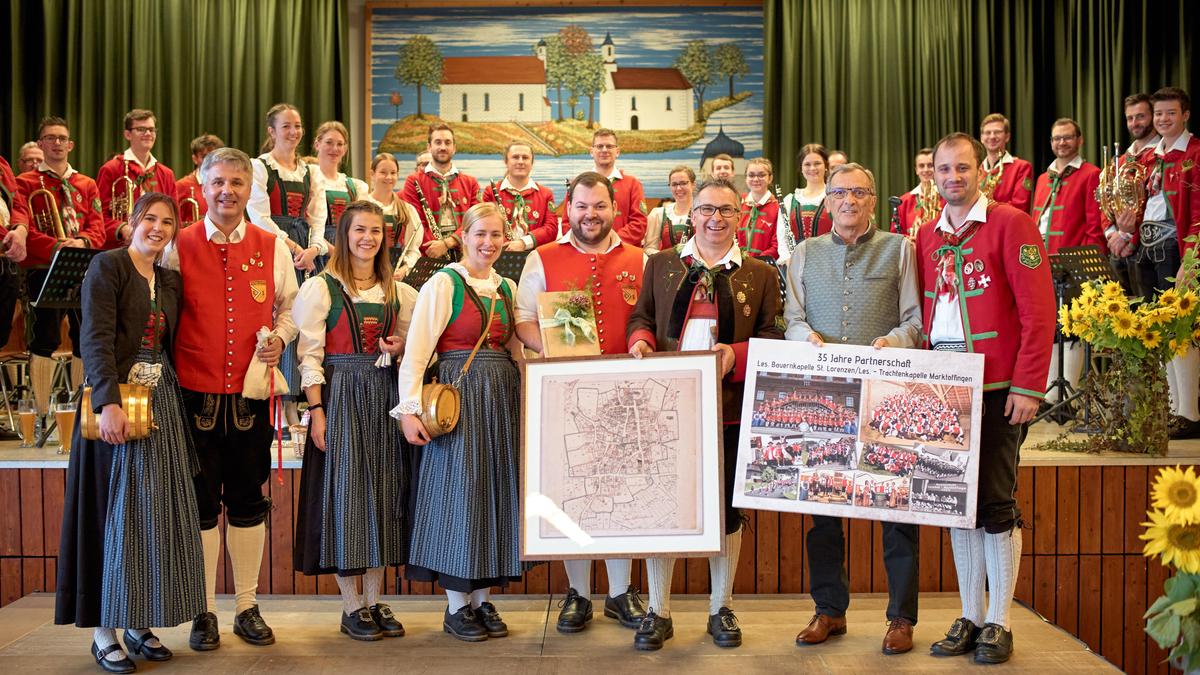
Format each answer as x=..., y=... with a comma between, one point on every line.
x=856, y=285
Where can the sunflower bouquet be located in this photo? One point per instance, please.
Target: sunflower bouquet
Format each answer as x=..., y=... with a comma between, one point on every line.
x=1173, y=536
x=1140, y=337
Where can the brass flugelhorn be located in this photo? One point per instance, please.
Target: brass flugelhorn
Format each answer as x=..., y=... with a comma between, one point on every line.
x=46, y=215
x=1122, y=185
x=121, y=195
x=189, y=208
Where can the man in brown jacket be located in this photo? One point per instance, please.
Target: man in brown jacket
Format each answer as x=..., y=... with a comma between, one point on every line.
x=706, y=296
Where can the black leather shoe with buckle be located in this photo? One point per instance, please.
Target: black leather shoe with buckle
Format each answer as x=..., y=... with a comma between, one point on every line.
x=575, y=614
x=205, y=634
x=122, y=665
x=960, y=639
x=137, y=646
x=724, y=629
x=995, y=644
x=249, y=626
x=388, y=624
x=487, y=615
x=627, y=608
x=652, y=632
x=464, y=625
x=360, y=625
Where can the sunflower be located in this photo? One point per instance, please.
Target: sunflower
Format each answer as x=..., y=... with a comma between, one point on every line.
x=1087, y=292
x=1168, y=298
x=1113, y=305
x=1178, y=347
x=1064, y=320
x=1196, y=335
x=1177, y=544
x=1187, y=302
x=1152, y=339
x=1113, y=290
x=1124, y=325
x=1177, y=492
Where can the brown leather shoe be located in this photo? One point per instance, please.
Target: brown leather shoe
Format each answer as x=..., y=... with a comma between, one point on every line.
x=820, y=628
x=898, y=638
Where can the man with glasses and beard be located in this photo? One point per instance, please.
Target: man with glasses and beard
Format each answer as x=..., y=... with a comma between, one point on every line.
x=589, y=256
x=706, y=296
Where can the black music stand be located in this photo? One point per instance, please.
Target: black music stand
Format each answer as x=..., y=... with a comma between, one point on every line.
x=1071, y=268
x=61, y=290
x=510, y=264
x=425, y=268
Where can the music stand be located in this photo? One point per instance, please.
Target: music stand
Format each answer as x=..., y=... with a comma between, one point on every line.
x=425, y=268
x=61, y=289
x=1071, y=268
x=510, y=264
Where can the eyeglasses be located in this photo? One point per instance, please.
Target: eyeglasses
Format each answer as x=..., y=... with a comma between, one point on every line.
x=708, y=210
x=858, y=192
x=680, y=185
x=605, y=146
x=56, y=139
x=756, y=176
x=145, y=131
x=1063, y=139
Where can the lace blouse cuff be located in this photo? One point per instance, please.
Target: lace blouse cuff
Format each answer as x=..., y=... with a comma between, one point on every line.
x=407, y=407
x=311, y=378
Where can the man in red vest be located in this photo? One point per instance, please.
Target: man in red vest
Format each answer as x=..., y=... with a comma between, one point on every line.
x=145, y=172
x=1005, y=179
x=629, y=220
x=591, y=257
x=237, y=278
x=987, y=290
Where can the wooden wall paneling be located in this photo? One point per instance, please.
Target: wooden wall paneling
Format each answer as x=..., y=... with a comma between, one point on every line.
x=282, y=519
x=929, y=549
x=1024, y=589
x=51, y=574
x=791, y=553
x=878, y=569
x=1044, y=516
x=1067, y=508
x=53, y=489
x=1090, y=601
x=1137, y=502
x=1112, y=508
x=537, y=580
x=10, y=514
x=1044, y=585
x=1091, y=511
x=1112, y=608
x=33, y=533
x=558, y=578
x=1066, y=593
x=744, y=578
x=1135, y=607
x=1156, y=575
x=10, y=580
x=949, y=579
x=858, y=548
x=766, y=545
x=1025, y=496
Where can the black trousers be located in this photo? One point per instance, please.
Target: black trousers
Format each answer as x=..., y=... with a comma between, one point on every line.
x=729, y=448
x=46, y=331
x=233, y=442
x=999, y=452
x=1126, y=272
x=1155, y=264
x=826, y=548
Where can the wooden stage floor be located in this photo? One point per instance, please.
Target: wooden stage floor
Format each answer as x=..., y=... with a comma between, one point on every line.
x=309, y=641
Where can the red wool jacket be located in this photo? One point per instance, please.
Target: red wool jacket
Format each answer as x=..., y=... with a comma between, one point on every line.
x=159, y=178
x=756, y=230
x=1008, y=308
x=1016, y=184
x=1075, y=218
x=78, y=209
x=538, y=211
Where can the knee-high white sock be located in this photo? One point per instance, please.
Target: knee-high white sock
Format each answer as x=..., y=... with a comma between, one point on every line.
x=210, y=541
x=457, y=600
x=245, y=557
x=579, y=575
x=351, y=600
x=620, y=575
x=1073, y=363
x=480, y=596
x=659, y=572
x=1172, y=388
x=1002, y=551
x=971, y=568
x=722, y=569
x=373, y=586
x=1051, y=375
x=1187, y=383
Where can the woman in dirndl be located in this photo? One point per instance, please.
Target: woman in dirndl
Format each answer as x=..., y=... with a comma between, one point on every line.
x=352, y=517
x=130, y=551
x=466, y=514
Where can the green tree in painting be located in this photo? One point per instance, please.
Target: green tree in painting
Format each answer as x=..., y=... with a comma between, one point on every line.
x=696, y=64
x=557, y=67
x=589, y=77
x=730, y=62
x=420, y=65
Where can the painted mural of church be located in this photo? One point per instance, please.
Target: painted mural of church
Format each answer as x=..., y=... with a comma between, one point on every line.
x=513, y=89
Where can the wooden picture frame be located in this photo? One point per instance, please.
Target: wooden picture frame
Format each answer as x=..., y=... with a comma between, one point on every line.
x=581, y=502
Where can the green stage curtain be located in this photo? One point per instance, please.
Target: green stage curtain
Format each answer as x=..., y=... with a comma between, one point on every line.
x=203, y=66
x=882, y=78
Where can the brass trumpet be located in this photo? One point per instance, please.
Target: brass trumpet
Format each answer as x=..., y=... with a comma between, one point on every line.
x=189, y=208
x=930, y=203
x=45, y=212
x=122, y=198
x=1122, y=185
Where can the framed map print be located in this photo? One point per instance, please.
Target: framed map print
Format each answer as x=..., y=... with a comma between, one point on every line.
x=621, y=457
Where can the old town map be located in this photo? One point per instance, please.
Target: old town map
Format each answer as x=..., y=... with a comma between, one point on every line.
x=611, y=453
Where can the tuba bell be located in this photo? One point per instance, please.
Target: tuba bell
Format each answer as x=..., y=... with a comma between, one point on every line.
x=1122, y=185
x=45, y=211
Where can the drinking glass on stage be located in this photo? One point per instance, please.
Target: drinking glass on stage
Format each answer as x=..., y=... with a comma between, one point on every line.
x=27, y=414
x=64, y=416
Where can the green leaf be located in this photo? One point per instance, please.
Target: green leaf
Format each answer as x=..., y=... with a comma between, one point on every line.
x=1190, y=628
x=1164, y=628
x=1184, y=607
x=1159, y=605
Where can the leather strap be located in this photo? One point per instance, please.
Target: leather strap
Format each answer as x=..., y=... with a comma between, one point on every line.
x=487, y=328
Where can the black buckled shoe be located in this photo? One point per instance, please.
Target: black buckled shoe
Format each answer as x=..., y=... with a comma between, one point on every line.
x=724, y=629
x=652, y=632
x=487, y=615
x=120, y=666
x=137, y=646
x=995, y=644
x=627, y=608
x=205, y=635
x=575, y=614
x=960, y=639
x=464, y=625
x=249, y=626
x=1185, y=429
x=360, y=625
x=388, y=624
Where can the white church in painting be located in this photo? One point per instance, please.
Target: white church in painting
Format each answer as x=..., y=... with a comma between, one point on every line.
x=513, y=89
